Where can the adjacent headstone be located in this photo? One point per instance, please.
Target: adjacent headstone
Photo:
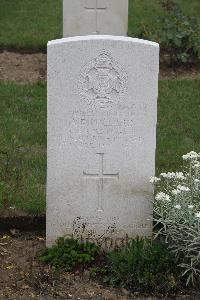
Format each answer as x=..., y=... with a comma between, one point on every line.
x=102, y=112
x=84, y=17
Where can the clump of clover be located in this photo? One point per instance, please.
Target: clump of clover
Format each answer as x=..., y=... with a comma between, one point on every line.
x=177, y=215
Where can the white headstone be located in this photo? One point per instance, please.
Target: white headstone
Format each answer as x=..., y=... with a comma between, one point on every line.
x=102, y=112
x=84, y=17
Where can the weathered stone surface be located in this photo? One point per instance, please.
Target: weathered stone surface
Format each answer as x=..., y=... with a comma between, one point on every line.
x=102, y=112
x=84, y=17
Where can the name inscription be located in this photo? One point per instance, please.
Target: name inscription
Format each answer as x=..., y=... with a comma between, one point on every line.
x=97, y=130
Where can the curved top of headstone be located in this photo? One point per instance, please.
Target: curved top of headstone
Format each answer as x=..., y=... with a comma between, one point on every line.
x=102, y=37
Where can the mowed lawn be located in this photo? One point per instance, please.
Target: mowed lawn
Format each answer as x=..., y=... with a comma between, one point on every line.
x=23, y=146
x=23, y=137
x=31, y=23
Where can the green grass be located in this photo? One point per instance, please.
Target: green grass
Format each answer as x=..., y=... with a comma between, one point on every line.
x=145, y=12
x=23, y=136
x=178, y=122
x=23, y=145
x=31, y=23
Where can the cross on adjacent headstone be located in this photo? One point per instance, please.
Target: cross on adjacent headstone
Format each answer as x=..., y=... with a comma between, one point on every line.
x=104, y=17
x=96, y=7
x=100, y=177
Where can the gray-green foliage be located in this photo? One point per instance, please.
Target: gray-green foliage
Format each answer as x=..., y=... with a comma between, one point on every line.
x=177, y=209
x=177, y=34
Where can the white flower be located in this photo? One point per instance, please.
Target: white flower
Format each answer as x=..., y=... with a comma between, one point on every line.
x=196, y=180
x=176, y=192
x=160, y=196
x=168, y=175
x=196, y=165
x=197, y=215
x=154, y=179
x=172, y=175
x=179, y=175
x=190, y=156
x=177, y=206
x=183, y=188
x=163, y=197
x=163, y=174
x=167, y=198
x=190, y=206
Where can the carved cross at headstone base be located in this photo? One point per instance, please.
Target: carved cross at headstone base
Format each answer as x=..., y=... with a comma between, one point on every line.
x=100, y=177
x=96, y=6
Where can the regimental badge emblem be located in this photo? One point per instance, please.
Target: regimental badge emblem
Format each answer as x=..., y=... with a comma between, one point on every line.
x=102, y=82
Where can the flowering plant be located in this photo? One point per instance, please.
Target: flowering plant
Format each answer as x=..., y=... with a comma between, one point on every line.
x=177, y=214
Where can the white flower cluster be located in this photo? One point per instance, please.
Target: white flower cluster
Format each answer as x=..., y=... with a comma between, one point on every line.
x=179, y=189
x=154, y=179
x=173, y=175
x=183, y=188
x=197, y=215
x=162, y=197
x=178, y=206
x=196, y=165
x=190, y=206
x=191, y=156
x=176, y=192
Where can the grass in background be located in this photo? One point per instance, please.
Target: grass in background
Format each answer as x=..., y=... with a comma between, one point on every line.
x=31, y=23
x=23, y=136
x=178, y=122
x=23, y=146
x=145, y=11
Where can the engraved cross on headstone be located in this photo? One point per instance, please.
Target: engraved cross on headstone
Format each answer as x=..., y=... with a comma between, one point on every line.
x=100, y=177
x=96, y=6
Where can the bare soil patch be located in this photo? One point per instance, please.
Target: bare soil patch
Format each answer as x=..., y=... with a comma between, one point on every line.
x=29, y=68
x=16, y=218
x=23, y=277
x=190, y=72
x=22, y=68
